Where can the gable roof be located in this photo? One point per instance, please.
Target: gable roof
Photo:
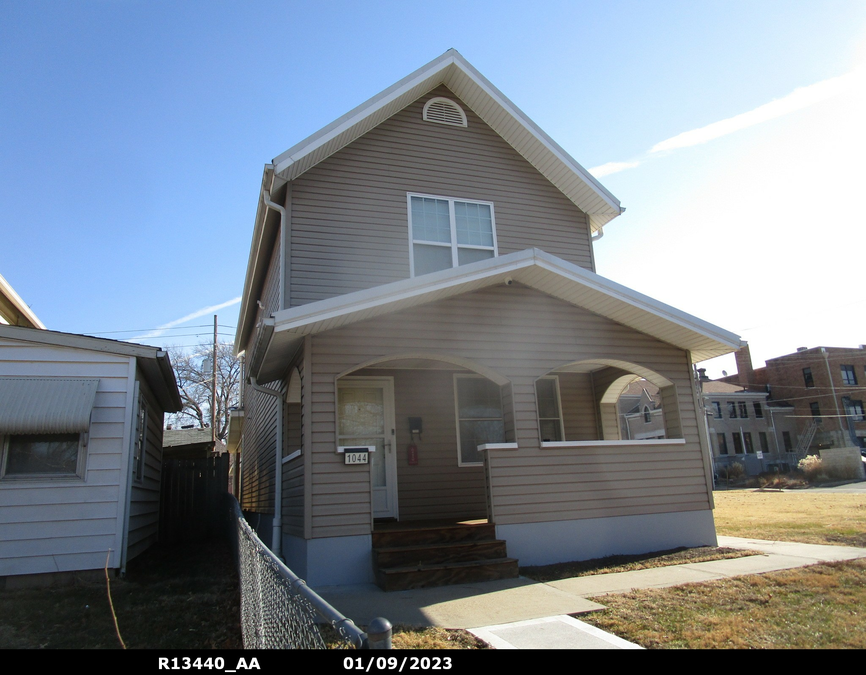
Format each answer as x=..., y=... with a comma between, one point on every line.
x=473, y=89
x=280, y=336
x=490, y=104
x=154, y=362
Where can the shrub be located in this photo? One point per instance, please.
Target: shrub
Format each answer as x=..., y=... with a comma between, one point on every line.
x=732, y=472
x=812, y=468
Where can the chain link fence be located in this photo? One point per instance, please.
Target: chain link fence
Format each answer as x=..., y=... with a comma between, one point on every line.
x=279, y=611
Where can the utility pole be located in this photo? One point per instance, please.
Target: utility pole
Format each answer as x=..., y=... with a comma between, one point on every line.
x=213, y=384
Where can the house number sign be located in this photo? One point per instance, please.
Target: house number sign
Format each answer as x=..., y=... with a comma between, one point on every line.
x=357, y=454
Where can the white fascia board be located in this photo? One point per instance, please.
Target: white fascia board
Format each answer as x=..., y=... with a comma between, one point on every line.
x=490, y=271
x=15, y=300
x=636, y=299
x=253, y=263
x=437, y=67
x=298, y=317
x=54, y=338
x=361, y=112
x=552, y=146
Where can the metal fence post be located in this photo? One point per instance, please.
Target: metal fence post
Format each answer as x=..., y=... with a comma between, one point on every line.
x=379, y=634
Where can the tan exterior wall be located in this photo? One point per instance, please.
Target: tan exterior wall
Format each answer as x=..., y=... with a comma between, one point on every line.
x=349, y=214
x=260, y=424
x=596, y=482
x=435, y=488
x=521, y=335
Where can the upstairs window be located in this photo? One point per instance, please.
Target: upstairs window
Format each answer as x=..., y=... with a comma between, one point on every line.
x=849, y=377
x=717, y=410
x=853, y=409
x=732, y=410
x=759, y=411
x=445, y=233
x=807, y=377
x=816, y=410
x=744, y=411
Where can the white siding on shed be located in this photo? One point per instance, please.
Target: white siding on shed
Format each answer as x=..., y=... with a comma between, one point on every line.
x=66, y=524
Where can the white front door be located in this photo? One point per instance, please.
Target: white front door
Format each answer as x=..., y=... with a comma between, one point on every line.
x=365, y=416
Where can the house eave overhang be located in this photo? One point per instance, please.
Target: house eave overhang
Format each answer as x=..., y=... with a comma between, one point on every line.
x=12, y=304
x=532, y=267
x=154, y=362
x=256, y=266
x=490, y=104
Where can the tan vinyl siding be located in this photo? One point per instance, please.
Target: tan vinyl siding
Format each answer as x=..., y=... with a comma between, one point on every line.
x=349, y=213
x=596, y=482
x=60, y=525
x=260, y=443
x=144, y=497
x=260, y=414
x=293, y=470
x=515, y=331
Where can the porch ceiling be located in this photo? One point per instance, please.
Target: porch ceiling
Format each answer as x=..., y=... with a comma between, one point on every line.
x=532, y=267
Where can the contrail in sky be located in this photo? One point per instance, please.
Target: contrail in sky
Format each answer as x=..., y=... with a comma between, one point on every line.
x=189, y=317
x=800, y=98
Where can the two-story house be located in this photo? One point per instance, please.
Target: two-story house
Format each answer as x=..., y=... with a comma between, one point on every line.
x=421, y=285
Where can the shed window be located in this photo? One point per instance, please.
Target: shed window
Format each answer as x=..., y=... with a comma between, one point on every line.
x=44, y=425
x=447, y=232
x=479, y=416
x=32, y=455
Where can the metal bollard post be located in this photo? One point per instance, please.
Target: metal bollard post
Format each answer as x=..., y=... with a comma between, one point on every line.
x=379, y=634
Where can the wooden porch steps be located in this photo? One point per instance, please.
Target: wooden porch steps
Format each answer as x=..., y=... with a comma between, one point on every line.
x=422, y=556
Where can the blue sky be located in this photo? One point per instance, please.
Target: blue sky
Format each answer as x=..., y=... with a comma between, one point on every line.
x=133, y=137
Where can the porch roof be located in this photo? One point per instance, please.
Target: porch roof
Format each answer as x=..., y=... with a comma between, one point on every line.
x=280, y=336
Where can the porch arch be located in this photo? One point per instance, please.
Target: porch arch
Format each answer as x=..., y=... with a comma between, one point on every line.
x=609, y=378
x=459, y=361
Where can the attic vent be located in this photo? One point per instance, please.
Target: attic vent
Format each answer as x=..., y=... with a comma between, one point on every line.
x=444, y=111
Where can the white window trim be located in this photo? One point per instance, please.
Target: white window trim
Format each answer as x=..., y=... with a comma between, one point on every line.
x=453, y=222
x=555, y=379
x=458, y=376
x=80, y=467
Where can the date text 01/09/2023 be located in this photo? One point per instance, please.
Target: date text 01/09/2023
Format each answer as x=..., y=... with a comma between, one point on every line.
x=218, y=663
x=380, y=663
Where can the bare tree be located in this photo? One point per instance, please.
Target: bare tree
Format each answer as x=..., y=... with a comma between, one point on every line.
x=194, y=373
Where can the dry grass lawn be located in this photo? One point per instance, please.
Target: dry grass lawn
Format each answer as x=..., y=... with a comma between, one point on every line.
x=823, y=606
x=802, y=516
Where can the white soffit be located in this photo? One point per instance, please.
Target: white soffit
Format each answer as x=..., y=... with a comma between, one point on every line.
x=532, y=267
x=491, y=105
x=46, y=405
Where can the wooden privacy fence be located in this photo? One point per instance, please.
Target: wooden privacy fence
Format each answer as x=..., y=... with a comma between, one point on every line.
x=191, y=500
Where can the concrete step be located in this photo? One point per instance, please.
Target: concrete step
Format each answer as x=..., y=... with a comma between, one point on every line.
x=425, y=576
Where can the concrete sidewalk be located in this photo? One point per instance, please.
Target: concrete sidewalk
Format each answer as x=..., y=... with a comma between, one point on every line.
x=521, y=613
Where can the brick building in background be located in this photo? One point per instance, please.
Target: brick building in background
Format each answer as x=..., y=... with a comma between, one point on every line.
x=826, y=387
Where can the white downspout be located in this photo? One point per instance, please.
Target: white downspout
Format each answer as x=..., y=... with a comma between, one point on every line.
x=277, y=535
x=266, y=197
